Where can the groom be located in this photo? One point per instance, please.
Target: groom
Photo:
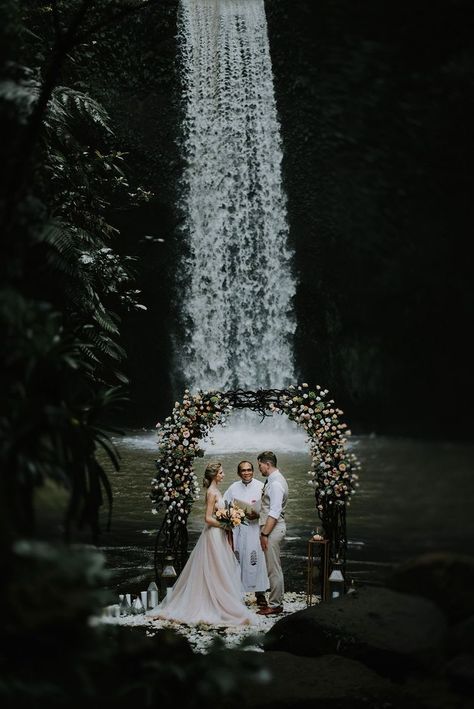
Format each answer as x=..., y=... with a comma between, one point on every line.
x=273, y=528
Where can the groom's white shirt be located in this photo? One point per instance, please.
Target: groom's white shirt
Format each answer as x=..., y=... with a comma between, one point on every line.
x=277, y=493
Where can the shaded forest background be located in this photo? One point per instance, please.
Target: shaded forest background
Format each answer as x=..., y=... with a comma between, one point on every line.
x=376, y=103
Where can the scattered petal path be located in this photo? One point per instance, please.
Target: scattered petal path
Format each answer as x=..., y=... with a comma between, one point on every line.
x=201, y=635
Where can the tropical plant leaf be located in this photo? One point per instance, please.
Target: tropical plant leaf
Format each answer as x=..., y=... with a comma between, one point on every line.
x=108, y=491
x=81, y=105
x=105, y=442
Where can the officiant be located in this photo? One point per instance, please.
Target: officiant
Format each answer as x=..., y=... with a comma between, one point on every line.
x=247, y=493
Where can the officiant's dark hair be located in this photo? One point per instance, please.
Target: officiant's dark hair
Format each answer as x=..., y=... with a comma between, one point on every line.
x=267, y=457
x=210, y=473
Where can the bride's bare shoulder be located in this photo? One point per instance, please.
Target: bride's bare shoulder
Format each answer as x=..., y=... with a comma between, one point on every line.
x=211, y=494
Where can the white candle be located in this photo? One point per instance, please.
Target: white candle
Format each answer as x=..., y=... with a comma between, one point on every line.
x=152, y=599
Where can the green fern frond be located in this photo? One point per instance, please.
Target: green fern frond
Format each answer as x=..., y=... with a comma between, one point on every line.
x=104, y=318
x=60, y=235
x=88, y=352
x=107, y=346
x=80, y=104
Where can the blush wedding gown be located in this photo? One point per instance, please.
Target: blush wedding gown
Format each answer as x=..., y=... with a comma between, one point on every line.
x=209, y=589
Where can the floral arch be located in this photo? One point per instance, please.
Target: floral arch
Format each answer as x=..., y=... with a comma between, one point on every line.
x=333, y=474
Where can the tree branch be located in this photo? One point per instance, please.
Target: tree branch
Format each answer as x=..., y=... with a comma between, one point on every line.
x=56, y=20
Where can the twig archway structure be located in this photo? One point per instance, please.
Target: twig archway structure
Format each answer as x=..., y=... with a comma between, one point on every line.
x=333, y=474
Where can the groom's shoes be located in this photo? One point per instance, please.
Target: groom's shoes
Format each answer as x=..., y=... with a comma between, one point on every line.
x=260, y=600
x=270, y=610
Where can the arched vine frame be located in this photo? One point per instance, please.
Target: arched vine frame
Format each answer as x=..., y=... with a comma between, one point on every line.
x=333, y=474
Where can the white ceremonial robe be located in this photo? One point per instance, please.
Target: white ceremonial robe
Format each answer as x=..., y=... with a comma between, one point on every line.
x=247, y=547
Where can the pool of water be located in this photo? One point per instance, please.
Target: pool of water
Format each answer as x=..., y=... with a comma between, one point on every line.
x=414, y=497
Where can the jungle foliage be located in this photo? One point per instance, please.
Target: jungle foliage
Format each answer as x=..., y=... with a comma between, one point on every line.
x=63, y=283
x=55, y=653
x=65, y=286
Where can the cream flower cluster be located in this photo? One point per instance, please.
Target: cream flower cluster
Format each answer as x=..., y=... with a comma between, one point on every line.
x=175, y=487
x=334, y=471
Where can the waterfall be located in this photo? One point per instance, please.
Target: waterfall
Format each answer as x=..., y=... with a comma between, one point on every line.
x=236, y=273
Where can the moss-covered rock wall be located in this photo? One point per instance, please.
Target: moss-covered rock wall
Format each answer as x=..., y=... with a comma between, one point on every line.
x=375, y=101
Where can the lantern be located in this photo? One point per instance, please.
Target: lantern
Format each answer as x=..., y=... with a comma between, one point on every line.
x=336, y=580
x=352, y=590
x=168, y=575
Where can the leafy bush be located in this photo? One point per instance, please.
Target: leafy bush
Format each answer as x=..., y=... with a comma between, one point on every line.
x=55, y=653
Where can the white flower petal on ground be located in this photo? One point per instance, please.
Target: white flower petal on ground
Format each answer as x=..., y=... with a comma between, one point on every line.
x=200, y=636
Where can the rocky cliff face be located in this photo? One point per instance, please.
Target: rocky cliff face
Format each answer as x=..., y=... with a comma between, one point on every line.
x=371, y=101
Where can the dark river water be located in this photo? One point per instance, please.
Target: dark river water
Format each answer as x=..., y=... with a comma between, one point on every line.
x=414, y=497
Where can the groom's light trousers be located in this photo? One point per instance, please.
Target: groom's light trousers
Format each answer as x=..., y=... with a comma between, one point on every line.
x=274, y=570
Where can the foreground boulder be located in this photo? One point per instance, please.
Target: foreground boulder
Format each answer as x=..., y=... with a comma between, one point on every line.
x=445, y=578
x=329, y=682
x=461, y=637
x=460, y=670
x=390, y=632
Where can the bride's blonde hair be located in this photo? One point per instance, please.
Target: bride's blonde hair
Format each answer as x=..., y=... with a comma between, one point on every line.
x=210, y=473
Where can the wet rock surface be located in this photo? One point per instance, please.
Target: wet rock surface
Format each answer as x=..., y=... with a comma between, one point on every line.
x=390, y=632
x=329, y=681
x=334, y=682
x=445, y=578
x=379, y=648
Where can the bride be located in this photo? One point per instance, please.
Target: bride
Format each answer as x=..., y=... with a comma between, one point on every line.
x=209, y=589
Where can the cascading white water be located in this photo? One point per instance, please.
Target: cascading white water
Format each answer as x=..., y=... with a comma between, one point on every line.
x=237, y=280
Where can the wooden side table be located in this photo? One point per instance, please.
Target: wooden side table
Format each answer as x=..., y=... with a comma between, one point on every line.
x=317, y=548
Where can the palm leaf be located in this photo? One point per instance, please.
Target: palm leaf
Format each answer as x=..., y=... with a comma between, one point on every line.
x=104, y=480
x=104, y=441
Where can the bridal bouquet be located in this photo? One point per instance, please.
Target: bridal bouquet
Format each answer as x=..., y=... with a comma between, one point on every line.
x=230, y=516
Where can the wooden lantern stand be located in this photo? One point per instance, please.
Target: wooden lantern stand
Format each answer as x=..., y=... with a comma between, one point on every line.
x=318, y=556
